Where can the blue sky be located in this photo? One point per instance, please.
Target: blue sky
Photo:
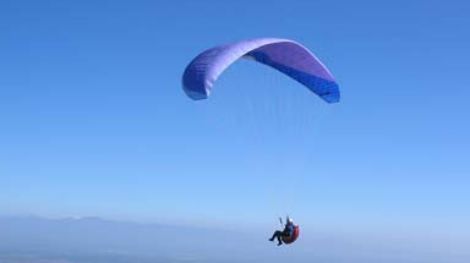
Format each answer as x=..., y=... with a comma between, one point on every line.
x=94, y=121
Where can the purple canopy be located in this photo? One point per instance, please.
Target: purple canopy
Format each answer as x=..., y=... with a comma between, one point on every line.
x=287, y=56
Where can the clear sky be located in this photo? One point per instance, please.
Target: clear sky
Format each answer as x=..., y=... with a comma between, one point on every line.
x=94, y=122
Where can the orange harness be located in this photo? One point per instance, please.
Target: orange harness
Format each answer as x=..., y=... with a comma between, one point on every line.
x=293, y=237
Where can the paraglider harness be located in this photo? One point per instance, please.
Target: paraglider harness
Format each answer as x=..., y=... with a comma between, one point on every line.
x=291, y=232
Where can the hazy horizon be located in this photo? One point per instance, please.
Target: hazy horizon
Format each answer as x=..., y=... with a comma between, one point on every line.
x=99, y=240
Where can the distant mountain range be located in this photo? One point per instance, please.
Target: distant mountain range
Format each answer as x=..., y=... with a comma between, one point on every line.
x=94, y=240
x=97, y=240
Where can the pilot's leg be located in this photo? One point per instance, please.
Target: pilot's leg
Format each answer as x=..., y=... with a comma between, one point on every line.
x=277, y=234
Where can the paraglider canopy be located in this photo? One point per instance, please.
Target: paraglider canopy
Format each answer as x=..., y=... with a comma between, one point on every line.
x=287, y=56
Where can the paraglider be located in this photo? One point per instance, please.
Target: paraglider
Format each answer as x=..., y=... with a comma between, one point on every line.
x=284, y=55
x=287, y=56
x=288, y=235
